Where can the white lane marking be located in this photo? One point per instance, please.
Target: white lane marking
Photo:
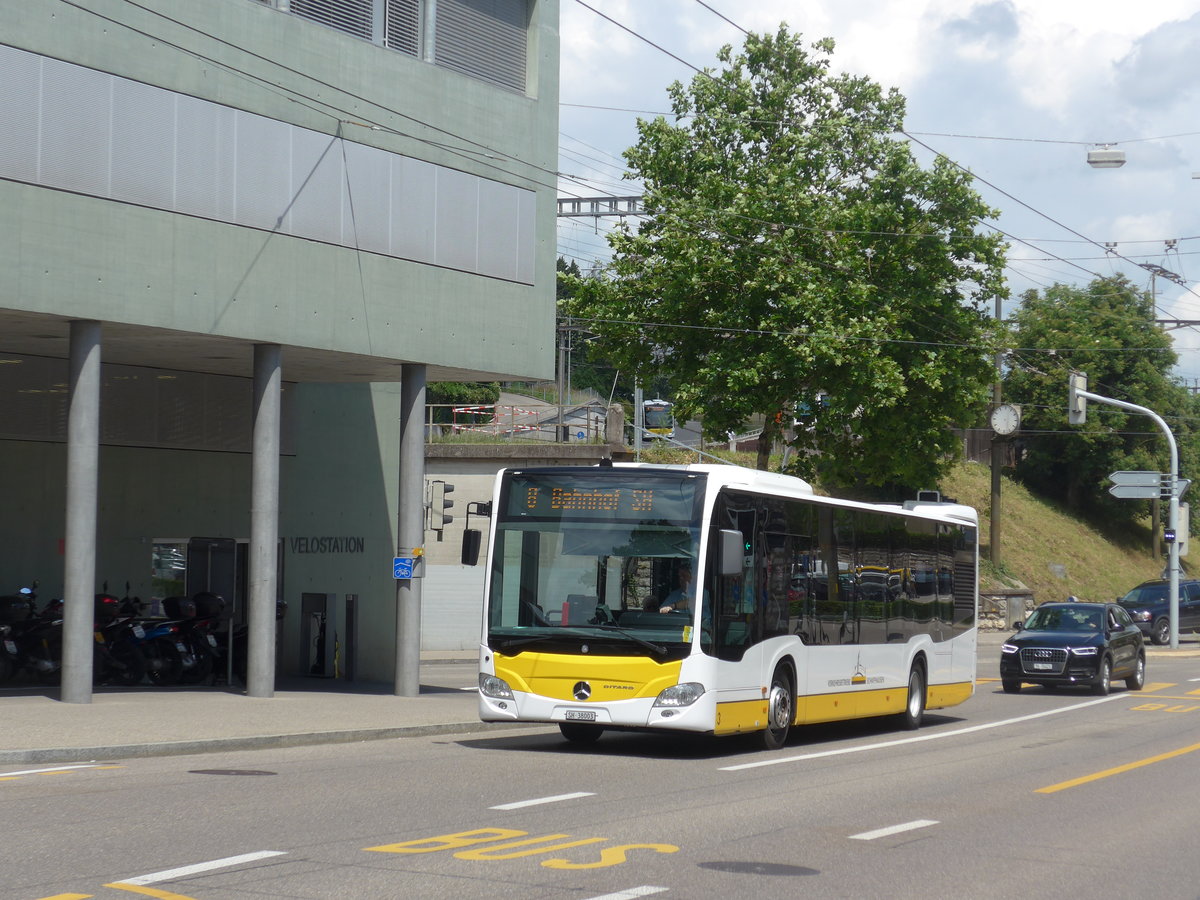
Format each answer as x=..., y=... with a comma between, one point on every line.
x=923, y=737
x=523, y=803
x=53, y=769
x=644, y=890
x=893, y=829
x=169, y=874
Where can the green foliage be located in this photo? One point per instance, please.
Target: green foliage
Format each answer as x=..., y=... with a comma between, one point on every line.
x=794, y=249
x=590, y=368
x=459, y=393
x=1106, y=330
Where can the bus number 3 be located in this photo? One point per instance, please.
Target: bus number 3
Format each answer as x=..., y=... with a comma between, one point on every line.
x=515, y=849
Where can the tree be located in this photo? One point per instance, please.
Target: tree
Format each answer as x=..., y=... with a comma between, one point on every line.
x=590, y=369
x=1106, y=330
x=794, y=249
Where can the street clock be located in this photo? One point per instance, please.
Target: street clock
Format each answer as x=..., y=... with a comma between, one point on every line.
x=1006, y=419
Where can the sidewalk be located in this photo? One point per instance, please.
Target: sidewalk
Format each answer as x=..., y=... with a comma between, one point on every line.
x=122, y=723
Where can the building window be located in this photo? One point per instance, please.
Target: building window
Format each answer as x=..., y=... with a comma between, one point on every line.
x=486, y=39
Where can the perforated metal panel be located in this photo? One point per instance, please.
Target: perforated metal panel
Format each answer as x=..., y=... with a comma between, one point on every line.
x=73, y=128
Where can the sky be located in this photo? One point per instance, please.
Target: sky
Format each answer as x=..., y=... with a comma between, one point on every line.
x=1016, y=91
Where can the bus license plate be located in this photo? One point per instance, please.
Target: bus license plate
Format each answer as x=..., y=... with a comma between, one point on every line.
x=581, y=715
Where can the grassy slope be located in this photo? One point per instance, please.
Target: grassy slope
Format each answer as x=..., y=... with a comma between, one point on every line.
x=1047, y=550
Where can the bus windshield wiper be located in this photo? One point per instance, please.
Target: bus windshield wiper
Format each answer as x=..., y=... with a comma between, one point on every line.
x=641, y=642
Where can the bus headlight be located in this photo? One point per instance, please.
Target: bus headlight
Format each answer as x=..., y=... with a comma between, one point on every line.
x=496, y=688
x=680, y=694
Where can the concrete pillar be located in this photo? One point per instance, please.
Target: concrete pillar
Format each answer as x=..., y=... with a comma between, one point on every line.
x=264, y=521
x=410, y=531
x=83, y=466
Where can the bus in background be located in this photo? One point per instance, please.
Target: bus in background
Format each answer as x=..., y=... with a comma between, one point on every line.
x=719, y=600
x=658, y=417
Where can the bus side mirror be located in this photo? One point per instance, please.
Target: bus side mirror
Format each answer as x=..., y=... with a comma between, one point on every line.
x=732, y=552
x=472, y=538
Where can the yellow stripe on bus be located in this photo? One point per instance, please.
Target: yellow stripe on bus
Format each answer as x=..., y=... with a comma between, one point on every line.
x=751, y=715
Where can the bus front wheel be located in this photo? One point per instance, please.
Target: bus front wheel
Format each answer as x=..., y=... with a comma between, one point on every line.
x=781, y=705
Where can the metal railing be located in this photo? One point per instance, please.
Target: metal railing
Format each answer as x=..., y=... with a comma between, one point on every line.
x=500, y=422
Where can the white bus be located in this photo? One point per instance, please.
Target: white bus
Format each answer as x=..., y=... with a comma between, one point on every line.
x=801, y=608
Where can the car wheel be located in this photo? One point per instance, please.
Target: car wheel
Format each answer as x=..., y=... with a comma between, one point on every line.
x=1137, y=680
x=914, y=707
x=579, y=733
x=781, y=707
x=1161, y=632
x=1011, y=685
x=1103, y=683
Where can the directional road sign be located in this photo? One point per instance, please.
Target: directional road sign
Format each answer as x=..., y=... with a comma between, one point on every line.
x=1138, y=479
x=1136, y=491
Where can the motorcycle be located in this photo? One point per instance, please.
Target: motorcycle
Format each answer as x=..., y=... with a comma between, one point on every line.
x=15, y=610
x=33, y=641
x=118, y=655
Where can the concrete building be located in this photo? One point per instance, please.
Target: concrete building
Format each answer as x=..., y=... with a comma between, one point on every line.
x=231, y=231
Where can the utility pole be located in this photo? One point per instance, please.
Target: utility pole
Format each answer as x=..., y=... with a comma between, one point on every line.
x=1077, y=398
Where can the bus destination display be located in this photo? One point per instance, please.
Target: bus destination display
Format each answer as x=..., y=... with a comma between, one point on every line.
x=546, y=497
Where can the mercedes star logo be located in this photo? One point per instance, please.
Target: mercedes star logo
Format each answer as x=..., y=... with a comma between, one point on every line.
x=582, y=690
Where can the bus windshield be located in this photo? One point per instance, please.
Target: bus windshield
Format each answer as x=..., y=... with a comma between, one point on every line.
x=598, y=558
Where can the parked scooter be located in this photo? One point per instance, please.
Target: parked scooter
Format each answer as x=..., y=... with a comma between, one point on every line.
x=196, y=621
x=34, y=639
x=15, y=610
x=118, y=655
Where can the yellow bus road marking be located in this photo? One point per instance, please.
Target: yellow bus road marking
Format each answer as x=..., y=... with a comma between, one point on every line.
x=67, y=897
x=1195, y=693
x=530, y=846
x=148, y=891
x=1151, y=686
x=1118, y=770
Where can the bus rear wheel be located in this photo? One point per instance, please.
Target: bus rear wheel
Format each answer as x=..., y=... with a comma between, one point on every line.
x=914, y=705
x=781, y=705
x=579, y=733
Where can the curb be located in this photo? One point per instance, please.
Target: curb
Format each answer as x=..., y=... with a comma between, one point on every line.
x=258, y=742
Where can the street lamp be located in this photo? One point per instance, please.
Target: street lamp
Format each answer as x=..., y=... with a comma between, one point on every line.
x=1105, y=157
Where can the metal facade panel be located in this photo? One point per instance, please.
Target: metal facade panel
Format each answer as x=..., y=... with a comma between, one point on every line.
x=457, y=205
x=317, y=183
x=414, y=191
x=262, y=164
x=203, y=166
x=75, y=132
x=19, y=111
x=85, y=131
x=141, y=146
x=499, y=242
x=367, y=199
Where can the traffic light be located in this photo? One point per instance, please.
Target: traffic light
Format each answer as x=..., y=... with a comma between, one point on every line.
x=1076, y=405
x=437, y=504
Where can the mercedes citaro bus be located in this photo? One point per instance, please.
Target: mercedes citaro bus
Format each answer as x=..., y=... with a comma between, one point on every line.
x=716, y=599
